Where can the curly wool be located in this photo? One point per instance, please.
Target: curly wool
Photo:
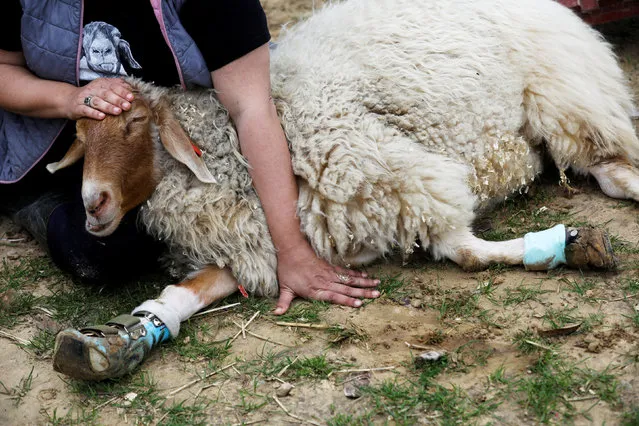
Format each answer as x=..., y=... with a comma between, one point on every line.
x=403, y=118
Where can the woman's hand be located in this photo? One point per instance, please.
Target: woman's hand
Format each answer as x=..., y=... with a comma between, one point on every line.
x=101, y=96
x=243, y=87
x=302, y=274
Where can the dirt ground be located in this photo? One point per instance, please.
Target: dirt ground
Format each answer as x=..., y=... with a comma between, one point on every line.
x=493, y=328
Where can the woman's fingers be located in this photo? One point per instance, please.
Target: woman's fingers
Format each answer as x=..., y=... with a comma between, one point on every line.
x=344, y=295
x=89, y=112
x=105, y=106
x=353, y=278
x=104, y=96
x=341, y=270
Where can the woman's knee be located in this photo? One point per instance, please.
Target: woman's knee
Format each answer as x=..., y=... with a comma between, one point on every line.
x=125, y=254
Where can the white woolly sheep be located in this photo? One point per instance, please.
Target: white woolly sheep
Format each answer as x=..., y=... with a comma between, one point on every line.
x=404, y=118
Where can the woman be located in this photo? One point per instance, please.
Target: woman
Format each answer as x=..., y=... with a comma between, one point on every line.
x=66, y=60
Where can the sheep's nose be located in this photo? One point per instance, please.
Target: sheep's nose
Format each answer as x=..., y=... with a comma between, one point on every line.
x=96, y=203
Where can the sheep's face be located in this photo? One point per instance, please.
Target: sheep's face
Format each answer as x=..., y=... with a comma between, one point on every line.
x=119, y=167
x=120, y=171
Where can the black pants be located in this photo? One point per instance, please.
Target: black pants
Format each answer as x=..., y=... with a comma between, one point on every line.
x=55, y=200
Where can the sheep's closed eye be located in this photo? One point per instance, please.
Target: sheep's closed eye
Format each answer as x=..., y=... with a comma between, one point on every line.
x=133, y=122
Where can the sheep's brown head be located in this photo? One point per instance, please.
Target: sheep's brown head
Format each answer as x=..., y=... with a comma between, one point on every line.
x=120, y=167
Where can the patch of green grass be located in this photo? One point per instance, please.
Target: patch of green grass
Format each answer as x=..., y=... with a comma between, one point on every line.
x=317, y=367
x=619, y=245
x=75, y=416
x=251, y=401
x=305, y=312
x=350, y=420
x=145, y=404
x=523, y=338
x=559, y=318
x=580, y=286
x=192, y=343
x=486, y=287
x=521, y=295
x=486, y=317
x=404, y=402
x=287, y=366
x=81, y=305
x=471, y=354
x=523, y=214
x=392, y=287
x=267, y=364
x=499, y=376
x=20, y=390
x=42, y=344
x=555, y=383
x=180, y=414
x=591, y=321
x=630, y=418
x=631, y=285
x=340, y=335
x=431, y=369
x=459, y=305
x=634, y=316
x=16, y=300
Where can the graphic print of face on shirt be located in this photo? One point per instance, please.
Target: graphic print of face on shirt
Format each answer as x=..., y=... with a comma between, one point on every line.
x=104, y=52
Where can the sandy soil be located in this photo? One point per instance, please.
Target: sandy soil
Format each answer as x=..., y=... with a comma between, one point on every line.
x=384, y=325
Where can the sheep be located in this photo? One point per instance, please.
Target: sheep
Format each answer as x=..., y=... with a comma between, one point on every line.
x=404, y=120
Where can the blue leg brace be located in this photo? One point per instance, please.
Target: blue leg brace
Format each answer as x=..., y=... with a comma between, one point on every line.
x=545, y=249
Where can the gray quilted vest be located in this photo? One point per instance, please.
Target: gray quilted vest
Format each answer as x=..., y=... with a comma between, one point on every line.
x=52, y=45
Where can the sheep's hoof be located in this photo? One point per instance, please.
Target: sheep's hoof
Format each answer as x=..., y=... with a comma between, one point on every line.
x=589, y=247
x=107, y=351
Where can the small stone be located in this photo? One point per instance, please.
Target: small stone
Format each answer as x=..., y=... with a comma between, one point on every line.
x=416, y=303
x=353, y=386
x=428, y=357
x=594, y=346
x=130, y=396
x=284, y=389
x=351, y=391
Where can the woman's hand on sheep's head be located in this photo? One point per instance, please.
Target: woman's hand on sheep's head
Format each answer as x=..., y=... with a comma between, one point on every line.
x=302, y=274
x=99, y=97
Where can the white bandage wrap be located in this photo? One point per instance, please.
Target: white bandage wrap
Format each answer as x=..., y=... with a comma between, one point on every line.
x=175, y=304
x=544, y=250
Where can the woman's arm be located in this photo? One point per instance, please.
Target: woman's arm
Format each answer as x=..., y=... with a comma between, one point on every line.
x=24, y=93
x=244, y=88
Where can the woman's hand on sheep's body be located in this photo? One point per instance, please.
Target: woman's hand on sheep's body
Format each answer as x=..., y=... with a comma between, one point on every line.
x=99, y=97
x=302, y=274
x=243, y=87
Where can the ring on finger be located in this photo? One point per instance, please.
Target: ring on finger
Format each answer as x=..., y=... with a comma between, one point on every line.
x=87, y=101
x=343, y=278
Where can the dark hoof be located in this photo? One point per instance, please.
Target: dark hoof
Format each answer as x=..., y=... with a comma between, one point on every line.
x=589, y=247
x=107, y=351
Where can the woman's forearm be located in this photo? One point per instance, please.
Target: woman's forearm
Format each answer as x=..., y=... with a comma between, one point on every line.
x=24, y=93
x=264, y=146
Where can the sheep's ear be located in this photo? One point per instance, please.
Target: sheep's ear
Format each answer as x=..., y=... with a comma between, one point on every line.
x=75, y=152
x=178, y=144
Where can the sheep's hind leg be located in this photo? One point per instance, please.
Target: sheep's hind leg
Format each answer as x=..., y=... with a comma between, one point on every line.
x=576, y=247
x=617, y=178
x=117, y=348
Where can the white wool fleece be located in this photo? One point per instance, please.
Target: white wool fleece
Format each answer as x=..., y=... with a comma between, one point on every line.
x=403, y=117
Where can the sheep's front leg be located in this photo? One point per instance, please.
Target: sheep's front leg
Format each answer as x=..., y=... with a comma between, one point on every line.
x=178, y=302
x=617, y=178
x=119, y=346
x=543, y=250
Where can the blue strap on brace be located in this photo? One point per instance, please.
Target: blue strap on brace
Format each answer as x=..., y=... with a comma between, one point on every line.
x=545, y=249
